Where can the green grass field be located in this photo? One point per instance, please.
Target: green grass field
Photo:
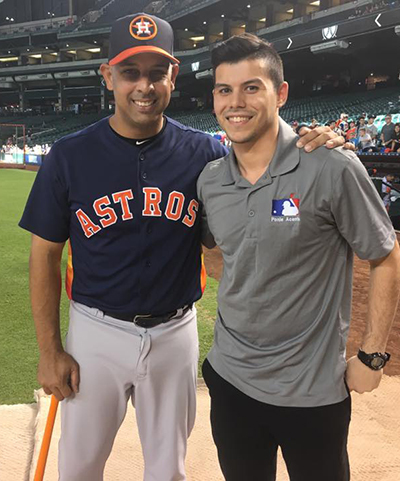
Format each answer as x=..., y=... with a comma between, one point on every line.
x=18, y=351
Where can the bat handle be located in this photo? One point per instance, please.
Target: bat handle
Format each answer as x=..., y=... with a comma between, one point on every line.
x=44, y=449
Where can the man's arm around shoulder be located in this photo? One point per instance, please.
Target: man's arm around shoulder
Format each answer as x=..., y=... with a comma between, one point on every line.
x=384, y=289
x=58, y=372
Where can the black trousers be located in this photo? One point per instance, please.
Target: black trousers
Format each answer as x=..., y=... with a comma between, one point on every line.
x=247, y=434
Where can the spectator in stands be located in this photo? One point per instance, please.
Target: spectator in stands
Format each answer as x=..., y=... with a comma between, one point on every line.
x=351, y=132
x=387, y=132
x=333, y=125
x=396, y=139
x=364, y=141
x=386, y=189
x=371, y=128
x=360, y=124
x=314, y=124
x=344, y=126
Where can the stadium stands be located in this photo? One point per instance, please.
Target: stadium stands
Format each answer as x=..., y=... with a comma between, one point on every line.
x=49, y=128
x=119, y=8
x=326, y=108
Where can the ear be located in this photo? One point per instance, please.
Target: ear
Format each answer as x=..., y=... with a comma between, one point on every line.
x=106, y=72
x=174, y=74
x=283, y=93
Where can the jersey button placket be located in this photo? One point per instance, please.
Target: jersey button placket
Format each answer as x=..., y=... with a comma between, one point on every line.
x=251, y=227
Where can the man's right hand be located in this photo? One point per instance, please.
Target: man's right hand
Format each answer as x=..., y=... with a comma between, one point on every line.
x=58, y=374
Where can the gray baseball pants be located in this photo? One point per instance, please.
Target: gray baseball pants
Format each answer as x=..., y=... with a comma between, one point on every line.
x=156, y=368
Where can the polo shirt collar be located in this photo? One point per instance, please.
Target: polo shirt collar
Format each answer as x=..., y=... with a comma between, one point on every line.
x=285, y=158
x=287, y=155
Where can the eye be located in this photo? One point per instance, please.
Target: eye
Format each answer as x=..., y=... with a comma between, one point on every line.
x=157, y=75
x=252, y=88
x=224, y=90
x=131, y=73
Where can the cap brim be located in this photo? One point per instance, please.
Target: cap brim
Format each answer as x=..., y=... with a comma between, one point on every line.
x=142, y=49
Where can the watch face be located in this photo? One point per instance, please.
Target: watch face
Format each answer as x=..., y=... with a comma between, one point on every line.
x=377, y=363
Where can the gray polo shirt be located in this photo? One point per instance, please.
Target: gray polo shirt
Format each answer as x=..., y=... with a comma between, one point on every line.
x=284, y=299
x=388, y=131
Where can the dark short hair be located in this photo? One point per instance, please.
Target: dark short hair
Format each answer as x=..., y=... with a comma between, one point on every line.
x=249, y=47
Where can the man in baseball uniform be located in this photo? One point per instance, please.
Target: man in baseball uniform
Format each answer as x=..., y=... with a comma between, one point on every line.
x=287, y=225
x=122, y=193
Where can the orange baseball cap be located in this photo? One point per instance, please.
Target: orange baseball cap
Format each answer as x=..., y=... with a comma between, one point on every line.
x=140, y=33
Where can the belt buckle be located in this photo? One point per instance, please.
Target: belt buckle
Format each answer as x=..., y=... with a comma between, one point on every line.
x=140, y=316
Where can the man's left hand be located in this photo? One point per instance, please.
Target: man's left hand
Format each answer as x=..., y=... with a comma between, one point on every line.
x=311, y=139
x=360, y=378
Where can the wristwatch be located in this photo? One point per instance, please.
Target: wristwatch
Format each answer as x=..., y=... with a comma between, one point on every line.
x=375, y=361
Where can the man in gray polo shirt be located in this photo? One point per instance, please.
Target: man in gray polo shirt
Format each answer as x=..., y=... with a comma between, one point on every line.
x=387, y=132
x=287, y=224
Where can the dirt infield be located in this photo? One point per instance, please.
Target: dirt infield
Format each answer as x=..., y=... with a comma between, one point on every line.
x=213, y=262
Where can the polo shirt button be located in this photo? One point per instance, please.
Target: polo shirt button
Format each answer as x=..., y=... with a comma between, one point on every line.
x=251, y=213
x=149, y=230
x=144, y=175
x=141, y=157
x=148, y=263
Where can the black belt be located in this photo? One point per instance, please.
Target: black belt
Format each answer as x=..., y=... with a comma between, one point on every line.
x=147, y=320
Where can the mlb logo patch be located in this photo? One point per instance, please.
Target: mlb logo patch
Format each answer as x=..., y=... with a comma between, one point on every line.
x=289, y=207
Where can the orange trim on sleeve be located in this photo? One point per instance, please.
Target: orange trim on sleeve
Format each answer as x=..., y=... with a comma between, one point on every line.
x=142, y=49
x=203, y=275
x=69, y=277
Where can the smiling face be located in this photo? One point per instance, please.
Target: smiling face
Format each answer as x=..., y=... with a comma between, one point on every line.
x=142, y=87
x=246, y=102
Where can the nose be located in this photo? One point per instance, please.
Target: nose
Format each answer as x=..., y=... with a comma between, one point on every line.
x=237, y=99
x=144, y=85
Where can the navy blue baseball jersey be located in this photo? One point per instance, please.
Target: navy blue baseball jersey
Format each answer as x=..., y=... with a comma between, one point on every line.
x=131, y=215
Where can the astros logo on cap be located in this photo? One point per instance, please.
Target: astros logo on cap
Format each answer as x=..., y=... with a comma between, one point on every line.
x=143, y=28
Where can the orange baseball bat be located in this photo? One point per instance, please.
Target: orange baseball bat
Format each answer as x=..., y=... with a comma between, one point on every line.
x=44, y=449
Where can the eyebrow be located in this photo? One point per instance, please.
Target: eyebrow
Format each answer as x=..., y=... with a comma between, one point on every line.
x=251, y=81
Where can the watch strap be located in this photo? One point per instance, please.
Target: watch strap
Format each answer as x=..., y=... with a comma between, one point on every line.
x=375, y=360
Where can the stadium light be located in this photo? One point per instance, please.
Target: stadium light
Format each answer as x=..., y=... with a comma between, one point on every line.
x=329, y=46
x=186, y=29
x=8, y=59
x=248, y=6
x=222, y=16
x=204, y=23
